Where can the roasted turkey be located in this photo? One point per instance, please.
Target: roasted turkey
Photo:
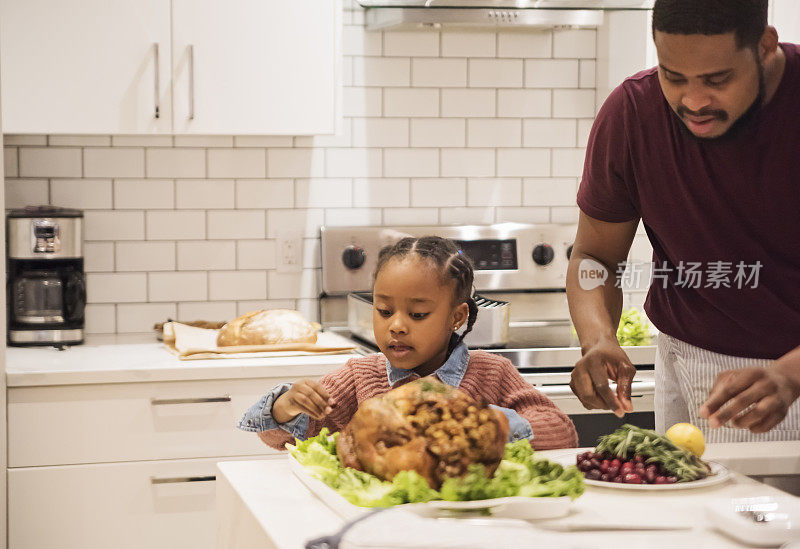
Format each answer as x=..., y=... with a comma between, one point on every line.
x=425, y=426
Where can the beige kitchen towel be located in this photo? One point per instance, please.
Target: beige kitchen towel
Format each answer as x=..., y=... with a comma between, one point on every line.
x=190, y=343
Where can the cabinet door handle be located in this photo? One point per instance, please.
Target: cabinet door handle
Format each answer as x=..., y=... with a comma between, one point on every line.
x=155, y=70
x=191, y=82
x=175, y=480
x=202, y=400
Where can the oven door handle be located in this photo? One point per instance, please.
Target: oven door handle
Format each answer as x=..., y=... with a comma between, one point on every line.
x=639, y=389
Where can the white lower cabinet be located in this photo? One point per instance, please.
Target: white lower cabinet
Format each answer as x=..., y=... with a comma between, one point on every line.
x=140, y=505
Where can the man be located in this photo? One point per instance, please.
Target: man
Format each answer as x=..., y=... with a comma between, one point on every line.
x=705, y=150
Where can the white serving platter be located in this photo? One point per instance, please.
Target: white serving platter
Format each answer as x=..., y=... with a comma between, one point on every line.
x=513, y=507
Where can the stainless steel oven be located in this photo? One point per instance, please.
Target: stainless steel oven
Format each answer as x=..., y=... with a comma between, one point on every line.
x=521, y=265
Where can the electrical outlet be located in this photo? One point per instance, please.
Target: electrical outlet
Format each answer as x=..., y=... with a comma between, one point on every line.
x=289, y=252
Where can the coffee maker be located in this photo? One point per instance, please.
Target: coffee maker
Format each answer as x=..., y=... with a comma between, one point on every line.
x=46, y=285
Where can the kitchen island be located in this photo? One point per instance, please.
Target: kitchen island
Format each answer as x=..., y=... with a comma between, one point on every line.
x=262, y=504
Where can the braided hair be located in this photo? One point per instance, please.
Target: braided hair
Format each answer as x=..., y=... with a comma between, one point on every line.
x=452, y=263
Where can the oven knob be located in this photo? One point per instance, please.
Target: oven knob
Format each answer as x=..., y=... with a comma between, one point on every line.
x=569, y=251
x=543, y=254
x=353, y=257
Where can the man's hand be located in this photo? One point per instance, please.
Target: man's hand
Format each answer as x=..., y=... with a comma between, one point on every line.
x=305, y=397
x=753, y=398
x=603, y=361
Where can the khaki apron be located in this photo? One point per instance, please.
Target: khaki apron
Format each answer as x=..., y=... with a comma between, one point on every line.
x=684, y=377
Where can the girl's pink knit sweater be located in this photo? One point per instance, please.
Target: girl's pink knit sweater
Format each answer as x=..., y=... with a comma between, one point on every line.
x=489, y=377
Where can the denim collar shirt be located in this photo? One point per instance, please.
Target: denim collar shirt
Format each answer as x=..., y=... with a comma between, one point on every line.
x=259, y=416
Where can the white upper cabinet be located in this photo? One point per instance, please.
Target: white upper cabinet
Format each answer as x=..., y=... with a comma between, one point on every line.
x=246, y=67
x=249, y=66
x=85, y=66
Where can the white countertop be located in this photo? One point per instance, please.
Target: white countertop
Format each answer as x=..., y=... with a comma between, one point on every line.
x=262, y=504
x=141, y=358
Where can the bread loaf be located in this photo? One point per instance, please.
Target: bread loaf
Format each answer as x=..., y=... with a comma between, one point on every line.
x=268, y=327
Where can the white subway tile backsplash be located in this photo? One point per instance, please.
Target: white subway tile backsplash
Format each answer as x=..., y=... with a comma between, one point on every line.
x=237, y=163
x=113, y=162
x=311, y=253
x=495, y=132
x=438, y=192
x=265, y=193
x=233, y=285
x=26, y=192
x=255, y=254
x=113, y=225
x=574, y=43
x=25, y=140
x=323, y=193
x=381, y=71
x=564, y=215
x=411, y=44
x=178, y=286
x=549, y=192
x=573, y=103
x=175, y=163
x=411, y=216
x=527, y=43
x=494, y=192
x=10, y=164
x=379, y=132
x=410, y=162
x=551, y=73
x=219, y=311
x=144, y=194
x=266, y=141
x=98, y=257
x=295, y=163
x=203, y=255
x=176, y=225
x=468, y=162
x=101, y=318
x=568, y=162
x=468, y=43
x=588, y=69
x=547, y=132
x=356, y=40
x=354, y=162
x=523, y=162
x=56, y=162
x=304, y=221
x=79, y=141
x=362, y=101
x=233, y=224
x=341, y=138
x=495, y=73
x=140, y=317
x=244, y=307
x=522, y=215
x=466, y=216
x=410, y=102
x=524, y=103
x=203, y=141
x=343, y=217
x=204, y=194
x=145, y=256
x=584, y=128
x=84, y=194
x=141, y=141
x=381, y=193
x=438, y=132
x=116, y=287
x=468, y=103
x=294, y=285
x=439, y=73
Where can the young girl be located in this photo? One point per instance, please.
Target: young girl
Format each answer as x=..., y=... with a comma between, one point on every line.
x=421, y=295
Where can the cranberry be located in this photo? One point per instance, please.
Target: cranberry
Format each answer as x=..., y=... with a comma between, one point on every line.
x=632, y=478
x=604, y=465
x=672, y=480
x=616, y=463
x=605, y=477
x=627, y=467
x=613, y=471
x=594, y=474
x=661, y=480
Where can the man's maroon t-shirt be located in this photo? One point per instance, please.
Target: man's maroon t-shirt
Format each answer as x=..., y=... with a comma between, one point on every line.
x=726, y=204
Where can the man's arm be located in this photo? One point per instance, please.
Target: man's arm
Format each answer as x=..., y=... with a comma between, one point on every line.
x=595, y=308
x=754, y=398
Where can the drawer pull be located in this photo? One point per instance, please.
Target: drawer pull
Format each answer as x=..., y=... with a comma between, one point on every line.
x=173, y=480
x=161, y=401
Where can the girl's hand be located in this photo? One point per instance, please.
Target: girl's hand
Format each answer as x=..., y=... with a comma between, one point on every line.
x=305, y=397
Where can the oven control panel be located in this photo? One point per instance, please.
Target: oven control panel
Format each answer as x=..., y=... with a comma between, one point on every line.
x=507, y=256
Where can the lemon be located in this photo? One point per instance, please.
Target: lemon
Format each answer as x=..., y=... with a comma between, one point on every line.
x=688, y=437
